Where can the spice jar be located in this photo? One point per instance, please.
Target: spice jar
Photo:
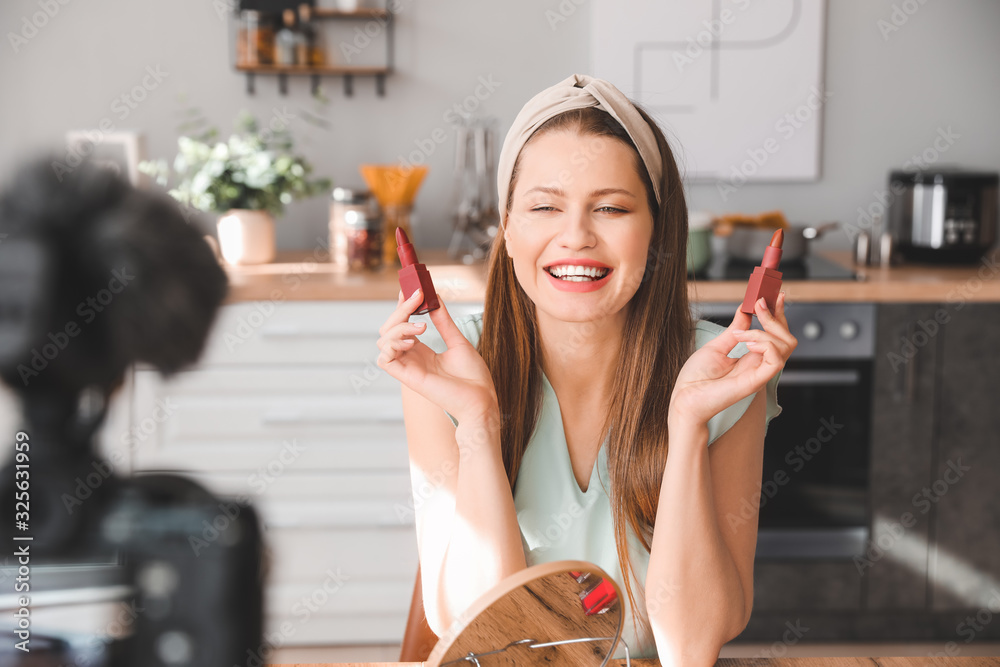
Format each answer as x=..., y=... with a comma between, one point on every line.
x=356, y=231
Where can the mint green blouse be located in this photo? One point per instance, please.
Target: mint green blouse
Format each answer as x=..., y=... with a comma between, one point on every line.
x=558, y=520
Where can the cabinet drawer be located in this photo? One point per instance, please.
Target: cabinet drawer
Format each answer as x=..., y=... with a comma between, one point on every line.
x=320, y=500
x=340, y=596
x=252, y=418
x=321, y=614
x=306, y=554
x=303, y=332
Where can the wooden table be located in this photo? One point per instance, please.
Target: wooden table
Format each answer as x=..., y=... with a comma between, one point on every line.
x=918, y=661
x=303, y=275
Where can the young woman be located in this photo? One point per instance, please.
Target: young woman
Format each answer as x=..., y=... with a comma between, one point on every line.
x=572, y=419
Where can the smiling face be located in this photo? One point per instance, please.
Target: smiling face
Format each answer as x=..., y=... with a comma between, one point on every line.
x=578, y=199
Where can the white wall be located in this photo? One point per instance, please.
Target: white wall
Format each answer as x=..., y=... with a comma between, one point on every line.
x=889, y=95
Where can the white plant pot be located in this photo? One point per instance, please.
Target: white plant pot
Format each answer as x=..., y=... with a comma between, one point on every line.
x=246, y=237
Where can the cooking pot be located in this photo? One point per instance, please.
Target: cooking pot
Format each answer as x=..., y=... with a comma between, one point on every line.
x=748, y=243
x=699, y=244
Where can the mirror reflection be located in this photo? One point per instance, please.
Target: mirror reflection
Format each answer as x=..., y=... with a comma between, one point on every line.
x=554, y=613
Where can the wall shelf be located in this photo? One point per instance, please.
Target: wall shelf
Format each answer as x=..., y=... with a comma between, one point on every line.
x=348, y=72
x=356, y=14
x=284, y=71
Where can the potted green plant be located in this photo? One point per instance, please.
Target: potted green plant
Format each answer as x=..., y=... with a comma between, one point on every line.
x=247, y=180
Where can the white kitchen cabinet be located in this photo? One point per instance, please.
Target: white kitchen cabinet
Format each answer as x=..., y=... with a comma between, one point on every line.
x=288, y=407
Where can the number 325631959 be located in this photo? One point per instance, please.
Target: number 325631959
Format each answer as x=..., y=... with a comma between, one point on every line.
x=21, y=475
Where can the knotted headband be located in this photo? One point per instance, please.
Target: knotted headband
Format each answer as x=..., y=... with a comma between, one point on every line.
x=579, y=91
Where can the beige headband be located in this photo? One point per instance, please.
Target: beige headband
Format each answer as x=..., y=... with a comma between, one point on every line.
x=577, y=92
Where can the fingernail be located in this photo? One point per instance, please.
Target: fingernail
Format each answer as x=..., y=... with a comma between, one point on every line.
x=421, y=324
x=750, y=343
x=416, y=292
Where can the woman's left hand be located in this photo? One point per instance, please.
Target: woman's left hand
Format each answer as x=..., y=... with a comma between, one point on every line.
x=711, y=381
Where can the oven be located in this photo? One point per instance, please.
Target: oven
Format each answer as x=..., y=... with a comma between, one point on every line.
x=814, y=500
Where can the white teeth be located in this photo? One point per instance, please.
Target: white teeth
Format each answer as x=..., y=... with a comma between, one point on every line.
x=577, y=273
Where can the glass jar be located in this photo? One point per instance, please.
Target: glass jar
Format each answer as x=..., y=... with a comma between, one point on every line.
x=396, y=215
x=254, y=40
x=356, y=231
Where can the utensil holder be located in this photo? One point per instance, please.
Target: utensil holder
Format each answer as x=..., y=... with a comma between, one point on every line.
x=394, y=215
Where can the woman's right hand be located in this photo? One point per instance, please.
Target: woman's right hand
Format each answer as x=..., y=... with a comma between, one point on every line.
x=457, y=380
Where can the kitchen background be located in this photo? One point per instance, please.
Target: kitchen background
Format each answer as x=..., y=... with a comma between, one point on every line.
x=890, y=93
x=893, y=93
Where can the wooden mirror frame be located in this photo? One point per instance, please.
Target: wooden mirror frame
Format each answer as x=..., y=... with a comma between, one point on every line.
x=539, y=605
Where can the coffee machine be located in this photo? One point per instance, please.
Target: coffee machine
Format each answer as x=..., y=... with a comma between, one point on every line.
x=945, y=215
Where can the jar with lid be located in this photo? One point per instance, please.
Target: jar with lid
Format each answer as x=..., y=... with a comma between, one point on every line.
x=355, y=230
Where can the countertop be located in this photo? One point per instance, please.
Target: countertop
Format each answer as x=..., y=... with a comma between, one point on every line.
x=309, y=276
x=751, y=662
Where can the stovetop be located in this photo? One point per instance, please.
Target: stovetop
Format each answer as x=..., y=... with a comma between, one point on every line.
x=810, y=267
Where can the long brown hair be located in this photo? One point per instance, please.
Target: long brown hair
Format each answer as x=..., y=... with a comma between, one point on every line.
x=656, y=342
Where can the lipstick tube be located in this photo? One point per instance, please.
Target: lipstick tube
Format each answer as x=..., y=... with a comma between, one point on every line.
x=414, y=275
x=765, y=281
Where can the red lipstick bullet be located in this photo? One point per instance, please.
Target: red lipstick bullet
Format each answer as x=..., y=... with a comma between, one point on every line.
x=414, y=275
x=765, y=281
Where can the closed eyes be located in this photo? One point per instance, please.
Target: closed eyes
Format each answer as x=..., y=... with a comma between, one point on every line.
x=606, y=209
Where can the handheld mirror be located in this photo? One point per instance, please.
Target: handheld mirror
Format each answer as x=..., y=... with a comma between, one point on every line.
x=559, y=613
